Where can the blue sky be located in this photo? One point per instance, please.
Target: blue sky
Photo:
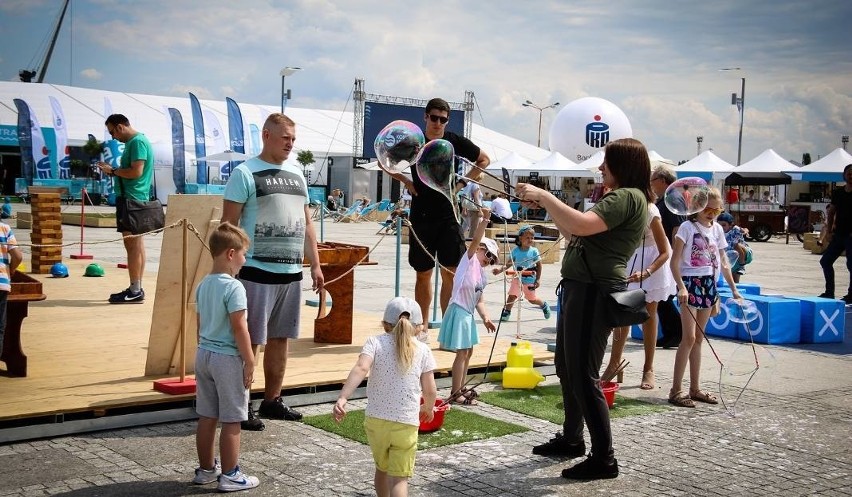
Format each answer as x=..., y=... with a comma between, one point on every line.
x=657, y=60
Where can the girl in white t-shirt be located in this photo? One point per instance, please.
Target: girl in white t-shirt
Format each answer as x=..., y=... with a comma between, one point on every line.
x=458, y=326
x=401, y=370
x=698, y=253
x=649, y=270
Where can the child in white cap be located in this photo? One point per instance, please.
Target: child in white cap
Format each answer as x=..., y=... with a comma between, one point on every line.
x=400, y=370
x=458, y=326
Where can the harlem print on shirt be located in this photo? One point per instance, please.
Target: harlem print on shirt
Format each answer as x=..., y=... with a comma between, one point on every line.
x=279, y=230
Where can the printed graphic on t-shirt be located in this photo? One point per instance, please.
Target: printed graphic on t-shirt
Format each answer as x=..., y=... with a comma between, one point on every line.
x=702, y=252
x=279, y=231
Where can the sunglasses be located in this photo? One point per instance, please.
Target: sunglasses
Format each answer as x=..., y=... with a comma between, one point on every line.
x=442, y=119
x=713, y=210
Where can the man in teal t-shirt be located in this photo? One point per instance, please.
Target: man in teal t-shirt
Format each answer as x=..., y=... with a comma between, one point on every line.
x=132, y=181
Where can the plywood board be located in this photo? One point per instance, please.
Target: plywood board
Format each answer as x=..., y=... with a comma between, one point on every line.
x=165, y=324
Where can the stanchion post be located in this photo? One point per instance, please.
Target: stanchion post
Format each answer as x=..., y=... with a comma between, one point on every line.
x=398, y=222
x=322, y=222
x=183, y=300
x=83, y=197
x=435, y=322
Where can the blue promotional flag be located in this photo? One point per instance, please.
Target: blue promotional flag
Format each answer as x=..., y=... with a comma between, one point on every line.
x=235, y=133
x=179, y=166
x=200, y=144
x=25, y=140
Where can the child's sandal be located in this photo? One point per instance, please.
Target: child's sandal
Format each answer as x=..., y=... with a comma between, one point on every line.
x=702, y=396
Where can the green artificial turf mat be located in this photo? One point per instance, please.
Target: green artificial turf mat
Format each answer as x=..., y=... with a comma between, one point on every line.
x=460, y=425
x=546, y=403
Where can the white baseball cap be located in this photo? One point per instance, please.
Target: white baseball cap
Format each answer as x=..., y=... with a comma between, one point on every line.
x=403, y=305
x=490, y=246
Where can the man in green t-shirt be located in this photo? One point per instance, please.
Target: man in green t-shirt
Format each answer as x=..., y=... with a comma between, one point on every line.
x=132, y=181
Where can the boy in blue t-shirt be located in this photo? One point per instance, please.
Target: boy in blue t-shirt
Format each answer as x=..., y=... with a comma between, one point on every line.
x=224, y=363
x=525, y=259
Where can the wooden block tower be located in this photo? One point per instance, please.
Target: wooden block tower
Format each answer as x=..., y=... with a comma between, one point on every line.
x=47, y=230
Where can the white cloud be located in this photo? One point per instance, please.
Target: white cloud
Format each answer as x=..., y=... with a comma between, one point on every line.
x=91, y=74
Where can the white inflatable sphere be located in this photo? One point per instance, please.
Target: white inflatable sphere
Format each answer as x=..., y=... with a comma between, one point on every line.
x=585, y=126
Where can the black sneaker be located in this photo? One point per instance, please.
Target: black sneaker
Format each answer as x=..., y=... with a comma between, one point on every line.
x=275, y=409
x=826, y=295
x=847, y=299
x=592, y=469
x=253, y=423
x=559, y=446
x=127, y=297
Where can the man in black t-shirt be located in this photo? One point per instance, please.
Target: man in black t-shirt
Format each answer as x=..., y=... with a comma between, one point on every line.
x=432, y=218
x=839, y=226
x=661, y=177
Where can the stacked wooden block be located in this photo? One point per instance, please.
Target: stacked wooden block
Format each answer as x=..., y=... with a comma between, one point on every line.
x=47, y=230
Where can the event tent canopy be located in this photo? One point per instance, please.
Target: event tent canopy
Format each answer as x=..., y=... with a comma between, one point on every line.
x=829, y=168
x=765, y=169
x=703, y=166
x=558, y=166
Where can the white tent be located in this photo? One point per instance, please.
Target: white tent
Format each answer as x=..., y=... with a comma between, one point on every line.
x=555, y=165
x=767, y=162
x=704, y=166
x=655, y=157
x=829, y=168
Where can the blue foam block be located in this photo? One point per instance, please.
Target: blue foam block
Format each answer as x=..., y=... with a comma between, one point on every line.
x=744, y=288
x=778, y=321
x=823, y=320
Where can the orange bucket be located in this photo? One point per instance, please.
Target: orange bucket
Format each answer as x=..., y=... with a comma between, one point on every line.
x=438, y=420
x=609, y=388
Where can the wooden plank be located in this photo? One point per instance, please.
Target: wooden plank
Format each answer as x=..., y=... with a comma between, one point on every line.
x=201, y=270
x=165, y=326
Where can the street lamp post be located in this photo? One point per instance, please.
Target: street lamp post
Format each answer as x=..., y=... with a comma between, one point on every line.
x=540, y=110
x=699, y=139
x=740, y=103
x=844, y=139
x=285, y=94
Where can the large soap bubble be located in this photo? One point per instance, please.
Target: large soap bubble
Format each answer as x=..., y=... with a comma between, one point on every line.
x=741, y=311
x=733, y=258
x=687, y=196
x=434, y=166
x=397, y=144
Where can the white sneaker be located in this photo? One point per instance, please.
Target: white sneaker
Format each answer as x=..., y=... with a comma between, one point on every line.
x=205, y=476
x=237, y=481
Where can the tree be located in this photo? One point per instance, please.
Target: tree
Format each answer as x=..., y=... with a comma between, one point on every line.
x=806, y=159
x=305, y=158
x=93, y=148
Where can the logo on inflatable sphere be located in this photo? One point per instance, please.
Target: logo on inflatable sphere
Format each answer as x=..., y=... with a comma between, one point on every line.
x=585, y=126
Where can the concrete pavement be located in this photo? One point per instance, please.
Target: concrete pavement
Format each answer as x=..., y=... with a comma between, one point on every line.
x=791, y=434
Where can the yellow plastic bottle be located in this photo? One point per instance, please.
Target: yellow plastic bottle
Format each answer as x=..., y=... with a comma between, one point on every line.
x=519, y=355
x=525, y=378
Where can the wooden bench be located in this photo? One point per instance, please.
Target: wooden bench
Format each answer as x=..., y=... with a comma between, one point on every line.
x=63, y=191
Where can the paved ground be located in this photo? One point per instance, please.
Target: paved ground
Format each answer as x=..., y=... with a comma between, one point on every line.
x=791, y=434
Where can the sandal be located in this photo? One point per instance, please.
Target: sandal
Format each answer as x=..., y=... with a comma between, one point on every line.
x=680, y=399
x=647, y=380
x=702, y=396
x=460, y=399
x=469, y=393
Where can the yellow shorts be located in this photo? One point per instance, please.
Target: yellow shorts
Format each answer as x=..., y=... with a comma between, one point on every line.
x=393, y=444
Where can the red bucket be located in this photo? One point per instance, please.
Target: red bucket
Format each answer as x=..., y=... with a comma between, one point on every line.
x=437, y=421
x=609, y=388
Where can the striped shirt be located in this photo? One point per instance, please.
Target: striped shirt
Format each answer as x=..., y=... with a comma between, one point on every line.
x=7, y=240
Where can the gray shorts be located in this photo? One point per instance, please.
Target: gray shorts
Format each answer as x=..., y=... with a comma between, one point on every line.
x=219, y=390
x=274, y=311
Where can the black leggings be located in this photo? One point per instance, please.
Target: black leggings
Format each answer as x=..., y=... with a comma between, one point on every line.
x=581, y=338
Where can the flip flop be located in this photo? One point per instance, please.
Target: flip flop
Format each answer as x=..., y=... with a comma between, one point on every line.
x=702, y=396
x=469, y=393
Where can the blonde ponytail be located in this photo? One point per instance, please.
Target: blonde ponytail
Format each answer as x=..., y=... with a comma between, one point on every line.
x=403, y=334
